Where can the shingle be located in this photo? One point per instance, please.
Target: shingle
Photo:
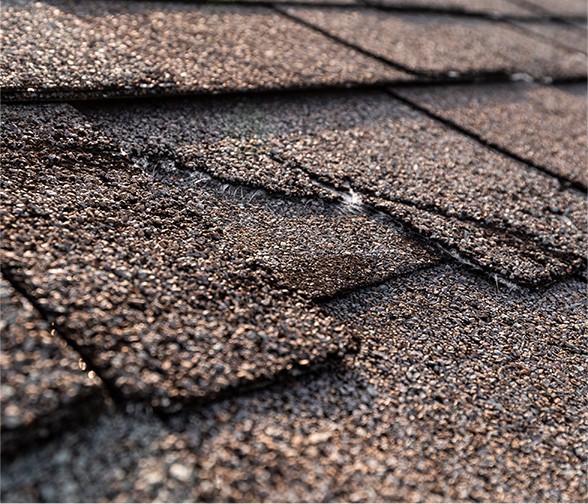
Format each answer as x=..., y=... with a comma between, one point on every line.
x=445, y=44
x=177, y=290
x=495, y=8
x=545, y=125
x=501, y=214
x=562, y=8
x=570, y=37
x=456, y=394
x=71, y=49
x=44, y=388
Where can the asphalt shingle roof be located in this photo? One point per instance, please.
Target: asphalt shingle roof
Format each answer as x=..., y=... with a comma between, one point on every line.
x=346, y=264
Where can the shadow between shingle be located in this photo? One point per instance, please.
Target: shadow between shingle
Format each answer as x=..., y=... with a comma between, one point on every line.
x=501, y=214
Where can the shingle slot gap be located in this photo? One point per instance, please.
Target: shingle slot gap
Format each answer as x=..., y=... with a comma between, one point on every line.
x=63, y=333
x=339, y=40
x=566, y=183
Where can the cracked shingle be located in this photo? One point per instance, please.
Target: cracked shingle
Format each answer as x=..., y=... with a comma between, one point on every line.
x=176, y=290
x=489, y=208
x=66, y=49
x=444, y=44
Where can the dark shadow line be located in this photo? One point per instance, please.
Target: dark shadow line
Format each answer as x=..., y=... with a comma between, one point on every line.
x=566, y=183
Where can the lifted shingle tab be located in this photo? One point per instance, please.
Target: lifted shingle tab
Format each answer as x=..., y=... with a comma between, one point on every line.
x=499, y=213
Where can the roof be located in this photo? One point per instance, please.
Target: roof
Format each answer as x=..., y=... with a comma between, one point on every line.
x=293, y=251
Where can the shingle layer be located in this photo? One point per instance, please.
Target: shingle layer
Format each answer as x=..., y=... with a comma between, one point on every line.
x=98, y=49
x=544, y=125
x=457, y=394
x=444, y=44
x=483, y=204
x=303, y=251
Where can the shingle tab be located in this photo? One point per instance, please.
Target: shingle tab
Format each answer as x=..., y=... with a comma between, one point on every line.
x=45, y=385
x=457, y=391
x=489, y=208
x=96, y=49
x=545, y=125
x=176, y=290
x=446, y=44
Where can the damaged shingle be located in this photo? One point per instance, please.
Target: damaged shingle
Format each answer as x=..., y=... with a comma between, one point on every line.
x=446, y=185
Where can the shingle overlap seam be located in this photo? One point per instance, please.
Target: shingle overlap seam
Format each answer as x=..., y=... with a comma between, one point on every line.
x=565, y=182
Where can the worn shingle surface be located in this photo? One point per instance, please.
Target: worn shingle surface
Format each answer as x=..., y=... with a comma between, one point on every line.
x=97, y=49
x=444, y=44
x=392, y=156
x=460, y=393
x=283, y=294
x=43, y=384
x=545, y=125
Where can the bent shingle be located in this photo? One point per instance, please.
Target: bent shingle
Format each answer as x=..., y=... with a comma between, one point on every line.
x=45, y=384
x=446, y=45
x=66, y=49
x=545, y=125
x=177, y=291
x=491, y=209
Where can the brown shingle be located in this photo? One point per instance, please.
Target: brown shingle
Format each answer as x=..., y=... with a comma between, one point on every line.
x=545, y=125
x=491, y=209
x=71, y=49
x=445, y=44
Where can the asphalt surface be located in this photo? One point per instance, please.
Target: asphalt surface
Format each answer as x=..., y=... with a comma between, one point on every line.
x=563, y=8
x=447, y=45
x=460, y=392
x=490, y=8
x=573, y=38
x=98, y=49
x=44, y=384
x=514, y=117
x=483, y=205
x=260, y=293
